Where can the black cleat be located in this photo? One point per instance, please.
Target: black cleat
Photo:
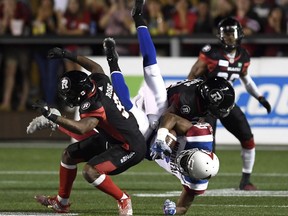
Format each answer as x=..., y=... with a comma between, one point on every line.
x=110, y=50
x=138, y=7
x=248, y=186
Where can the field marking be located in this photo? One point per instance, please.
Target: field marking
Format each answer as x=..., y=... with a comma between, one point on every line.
x=228, y=192
x=38, y=172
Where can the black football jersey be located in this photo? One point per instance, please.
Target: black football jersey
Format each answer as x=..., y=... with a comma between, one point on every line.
x=184, y=96
x=114, y=120
x=219, y=64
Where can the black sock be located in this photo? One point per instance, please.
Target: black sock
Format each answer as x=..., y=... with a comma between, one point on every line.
x=113, y=65
x=246, y=177
x=139, y=21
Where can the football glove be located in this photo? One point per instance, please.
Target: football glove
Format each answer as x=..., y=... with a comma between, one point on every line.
x=56, y=53
x=45, y=110
x=262, y=100
x=159, y=150
x=169, y=207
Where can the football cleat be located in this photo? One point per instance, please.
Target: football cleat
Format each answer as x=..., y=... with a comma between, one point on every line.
x=247, y=186
x=110, y=50
x=52, y=203
x=42, y=122
x=125, y=207
x=138, y=7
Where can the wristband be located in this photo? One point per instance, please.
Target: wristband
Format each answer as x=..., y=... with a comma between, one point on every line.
x=70, y=55
x=52, y=117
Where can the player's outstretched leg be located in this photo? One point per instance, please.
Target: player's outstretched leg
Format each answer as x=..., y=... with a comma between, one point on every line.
x=152, y=75
x=117, y=78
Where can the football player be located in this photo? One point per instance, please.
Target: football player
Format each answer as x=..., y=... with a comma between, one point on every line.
x=231, y=61
x=116, y=147
x=191, y=161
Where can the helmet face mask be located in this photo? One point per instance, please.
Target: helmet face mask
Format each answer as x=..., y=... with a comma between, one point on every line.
x=197, y=163
x=230, y=33
x=74, y=87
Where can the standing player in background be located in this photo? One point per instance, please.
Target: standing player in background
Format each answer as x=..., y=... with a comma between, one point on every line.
x=230, y=61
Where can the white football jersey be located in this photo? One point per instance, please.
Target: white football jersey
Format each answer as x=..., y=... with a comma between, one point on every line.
x=199, y=136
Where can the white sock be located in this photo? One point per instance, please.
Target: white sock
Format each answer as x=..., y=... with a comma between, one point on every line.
x=124, y=196
x=248, y=159
x=62, y=200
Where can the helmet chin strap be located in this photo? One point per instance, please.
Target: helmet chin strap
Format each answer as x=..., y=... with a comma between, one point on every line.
x=93, y=91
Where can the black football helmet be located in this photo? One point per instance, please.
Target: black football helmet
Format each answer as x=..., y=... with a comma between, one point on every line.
x=218, y=96
x=74, y=87
x=230, y=33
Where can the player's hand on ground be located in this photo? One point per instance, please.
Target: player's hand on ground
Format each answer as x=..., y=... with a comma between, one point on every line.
x=265, y=103
x=159, y=150
x=169, y=207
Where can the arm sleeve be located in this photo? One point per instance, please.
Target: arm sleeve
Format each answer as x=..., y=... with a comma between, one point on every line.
x=250, y=86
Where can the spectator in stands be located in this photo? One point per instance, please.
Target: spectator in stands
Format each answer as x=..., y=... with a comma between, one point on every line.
x=184, y=20
x=155, y=18
x=118, y=21
x=75, y=22
x=15, y=18
x=45, y=22
x=250, y=22
x=262, y=9
x=220, y=10
x=204, y=20
x=97, y=9
x=276, y=24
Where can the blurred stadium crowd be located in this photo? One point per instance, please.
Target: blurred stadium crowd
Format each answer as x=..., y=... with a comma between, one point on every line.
x=26, y=73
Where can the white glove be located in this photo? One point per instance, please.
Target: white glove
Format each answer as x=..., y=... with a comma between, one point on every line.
x=41, y=122
x=159, y=150
x=169, y=207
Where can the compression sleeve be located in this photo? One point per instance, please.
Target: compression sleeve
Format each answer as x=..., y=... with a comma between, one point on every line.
x=250, y=86
x=121, y=89
x=146, y=46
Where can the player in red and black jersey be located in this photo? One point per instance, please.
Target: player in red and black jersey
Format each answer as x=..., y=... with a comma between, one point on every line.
x=230, y=61
x=196, y=98
x=118, y=146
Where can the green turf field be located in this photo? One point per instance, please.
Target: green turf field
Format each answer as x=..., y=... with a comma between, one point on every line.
x=25, y=172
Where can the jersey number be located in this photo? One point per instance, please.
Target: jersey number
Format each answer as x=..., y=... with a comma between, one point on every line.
x=226, y=76
x=120, y=107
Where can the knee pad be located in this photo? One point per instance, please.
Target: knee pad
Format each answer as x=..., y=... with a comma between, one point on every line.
x=248, y=144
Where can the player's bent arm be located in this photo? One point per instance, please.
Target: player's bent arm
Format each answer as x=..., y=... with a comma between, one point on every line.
x=89, y=65
x=184, y=202
x=78, y=127
x=172, y=121
x=197, y=70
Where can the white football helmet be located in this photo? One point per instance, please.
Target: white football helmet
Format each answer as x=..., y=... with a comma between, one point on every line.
x=197, y=163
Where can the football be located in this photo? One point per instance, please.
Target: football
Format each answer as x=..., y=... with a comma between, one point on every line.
x=171, y=138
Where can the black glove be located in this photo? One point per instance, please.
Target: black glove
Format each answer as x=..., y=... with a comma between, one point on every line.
x=45, y=110
x=265, y=103
x=57, y=52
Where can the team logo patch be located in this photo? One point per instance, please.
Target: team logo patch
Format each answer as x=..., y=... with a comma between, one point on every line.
x=185, y=109
x=85, y=106
x=206, y=48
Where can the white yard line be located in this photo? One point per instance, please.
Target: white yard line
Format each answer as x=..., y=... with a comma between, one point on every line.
x=36, y=172
x=228, y=192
